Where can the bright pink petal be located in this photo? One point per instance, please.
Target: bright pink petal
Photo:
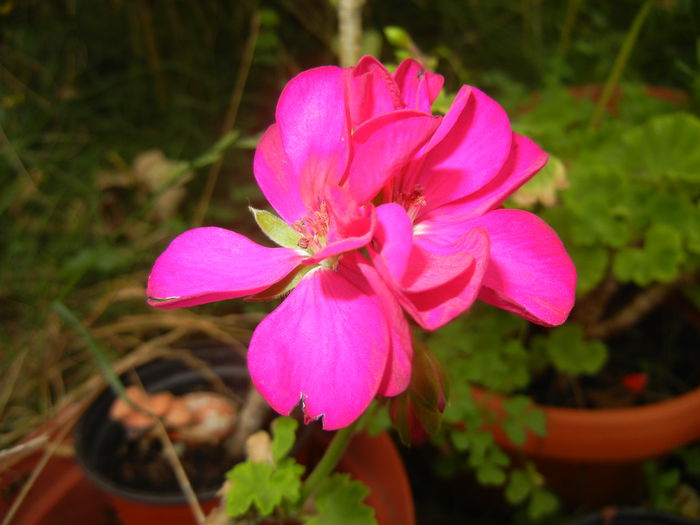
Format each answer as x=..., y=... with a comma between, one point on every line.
x=394, y=239
x=278, y=182
x=397, y=374
x=437, y=306
x=371, y=91
x=530, y=272
x=382, y=146
x=213, y=264
x=525, y=160
x=419, y=87
x=325, y=346
x=314, y=131
x=434, y=264
x=466, y=152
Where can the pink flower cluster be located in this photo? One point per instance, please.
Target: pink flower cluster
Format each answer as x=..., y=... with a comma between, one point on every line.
x=384, y=209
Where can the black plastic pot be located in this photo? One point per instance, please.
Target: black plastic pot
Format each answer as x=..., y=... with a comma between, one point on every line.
x=632, y=516
x=97, y=436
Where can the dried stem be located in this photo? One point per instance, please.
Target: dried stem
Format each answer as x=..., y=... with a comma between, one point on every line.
x=152, y=54
x=179, y=471
x=592, y=307
x=250, y=419
x=349, y=31
x=48, y=454
x=231, y=115
x=171, y=456
x=645, y=301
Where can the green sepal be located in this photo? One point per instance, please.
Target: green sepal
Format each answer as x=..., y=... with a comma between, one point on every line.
x=284, y=286
x=276, y=229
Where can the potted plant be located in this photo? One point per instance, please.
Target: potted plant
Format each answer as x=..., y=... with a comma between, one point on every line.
x=623, y=197
x=117, y=445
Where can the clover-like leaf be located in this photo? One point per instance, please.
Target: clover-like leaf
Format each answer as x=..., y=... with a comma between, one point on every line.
x=542, y=503
x=522, y=415
x=340, y=501
x=490, y=474
x=571, y=353
x=519, y=487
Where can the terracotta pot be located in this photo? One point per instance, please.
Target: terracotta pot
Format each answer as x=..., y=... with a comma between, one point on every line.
x=372, y=460
x=97, y=436
x=595, y=456
x=375, y=461
x=610, y=435
x=61, y=494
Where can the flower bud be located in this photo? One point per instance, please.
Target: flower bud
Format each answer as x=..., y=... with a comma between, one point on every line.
x=416, y=413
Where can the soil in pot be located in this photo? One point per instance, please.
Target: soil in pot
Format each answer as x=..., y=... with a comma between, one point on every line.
x=142, y=465
x=134, y=472
x=654, y=360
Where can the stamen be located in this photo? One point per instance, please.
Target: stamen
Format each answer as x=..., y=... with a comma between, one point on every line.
x=412, y=202
x=313, y=229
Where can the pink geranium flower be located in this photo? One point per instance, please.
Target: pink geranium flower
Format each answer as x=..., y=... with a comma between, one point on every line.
x=343, y=142
x=443, y=238
x=339, y=338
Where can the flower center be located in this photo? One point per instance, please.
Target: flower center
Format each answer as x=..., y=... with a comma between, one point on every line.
x=412, y=202
x=313, y=229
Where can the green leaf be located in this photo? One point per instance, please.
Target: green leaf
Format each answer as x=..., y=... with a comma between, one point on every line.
x=490, y=474
x=276, y=229
x=379, y=422
x=397, y=36
x=283, y=436
x=571, y=353
x=542, y=503
x=340, y=501
x=590, y=263
x=519, y=487
x=262, y=485
x=521, y=415
x=658, y=260
x=665, y=146
x=544, y=187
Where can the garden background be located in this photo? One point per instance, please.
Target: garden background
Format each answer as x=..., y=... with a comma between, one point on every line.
x=125, y=122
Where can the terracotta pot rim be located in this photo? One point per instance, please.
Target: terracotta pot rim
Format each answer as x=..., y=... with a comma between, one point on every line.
x=609, y=435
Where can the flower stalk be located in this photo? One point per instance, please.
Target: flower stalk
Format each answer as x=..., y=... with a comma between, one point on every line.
x=620, y=63
x=332, y=456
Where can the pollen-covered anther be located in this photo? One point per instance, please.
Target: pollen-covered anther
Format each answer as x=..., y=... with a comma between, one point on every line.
x=313, y=229
x=412, y=201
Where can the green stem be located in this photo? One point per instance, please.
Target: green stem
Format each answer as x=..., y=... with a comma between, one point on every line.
x=620, y=63
x=572, y=10
x=332, y=456
x=97, y=352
